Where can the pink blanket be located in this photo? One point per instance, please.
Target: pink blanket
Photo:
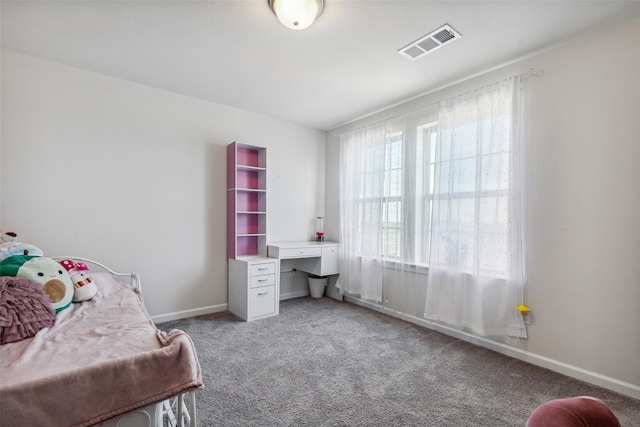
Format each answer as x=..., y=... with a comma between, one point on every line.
x=103, y=357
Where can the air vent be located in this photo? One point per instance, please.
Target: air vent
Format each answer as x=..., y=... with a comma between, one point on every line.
x=430, y=42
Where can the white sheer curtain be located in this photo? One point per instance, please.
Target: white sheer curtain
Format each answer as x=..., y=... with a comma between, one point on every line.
x=475, y=276
x=361, y=167
x=384, y=210
x=430, y=212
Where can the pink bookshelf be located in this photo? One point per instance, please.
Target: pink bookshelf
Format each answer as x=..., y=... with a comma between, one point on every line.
x=249, y=201
x=246, y=200
x=249, y=156
x=250, y=223
x=249, y=179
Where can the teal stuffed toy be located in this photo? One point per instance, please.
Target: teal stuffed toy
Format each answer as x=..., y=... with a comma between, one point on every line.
x=53, y=277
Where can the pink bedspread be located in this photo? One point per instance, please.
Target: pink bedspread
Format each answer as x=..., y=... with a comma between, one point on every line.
x=103, y=357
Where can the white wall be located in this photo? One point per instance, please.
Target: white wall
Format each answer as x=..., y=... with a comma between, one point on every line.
x=583, y=216
x=135, y=177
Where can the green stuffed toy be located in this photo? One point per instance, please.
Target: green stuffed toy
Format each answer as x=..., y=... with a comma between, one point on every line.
x=53, y=277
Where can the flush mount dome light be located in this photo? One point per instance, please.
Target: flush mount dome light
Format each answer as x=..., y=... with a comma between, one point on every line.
x=297, y=14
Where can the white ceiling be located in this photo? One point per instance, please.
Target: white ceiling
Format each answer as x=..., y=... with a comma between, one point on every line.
x=343, y=67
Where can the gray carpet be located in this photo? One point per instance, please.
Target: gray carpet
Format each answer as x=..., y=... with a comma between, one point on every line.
x=326, y=363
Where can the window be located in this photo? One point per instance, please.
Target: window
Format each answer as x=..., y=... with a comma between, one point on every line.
x=400, y=193
x=391, y=194
x=472, y=187
x=392, y=201
x=438, y=188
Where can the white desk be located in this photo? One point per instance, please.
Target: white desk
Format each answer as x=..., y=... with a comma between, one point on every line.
x=254, y=281
x=319, y=258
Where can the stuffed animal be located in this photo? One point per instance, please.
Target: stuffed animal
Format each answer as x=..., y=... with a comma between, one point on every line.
x=53, y=277
x=84, y=286
x=9, y=249
x=7, y=236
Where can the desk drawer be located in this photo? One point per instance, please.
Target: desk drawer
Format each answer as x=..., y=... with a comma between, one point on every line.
x=265, y=280
x=262, y=301
x=259, y=269
x=300, y=252
x=329, y=261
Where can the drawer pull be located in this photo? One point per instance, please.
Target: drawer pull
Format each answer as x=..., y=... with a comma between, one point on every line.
x=263, y=293
x=262, y=268
x=263, y=280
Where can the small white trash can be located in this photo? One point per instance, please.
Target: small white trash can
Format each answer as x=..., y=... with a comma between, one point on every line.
x=317, y=285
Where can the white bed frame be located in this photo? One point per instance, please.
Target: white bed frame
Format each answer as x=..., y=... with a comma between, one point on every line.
x=177, y=411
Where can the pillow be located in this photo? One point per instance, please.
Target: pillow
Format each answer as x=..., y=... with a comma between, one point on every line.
x=24, y=309
x=9, y=249
x=51, y=275
x=581, y=411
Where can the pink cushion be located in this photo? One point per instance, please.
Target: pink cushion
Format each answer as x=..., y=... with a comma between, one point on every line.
x=25, y=308
x=573, y=412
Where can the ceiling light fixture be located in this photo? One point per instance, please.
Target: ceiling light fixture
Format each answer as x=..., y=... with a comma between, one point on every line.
x=297, y=14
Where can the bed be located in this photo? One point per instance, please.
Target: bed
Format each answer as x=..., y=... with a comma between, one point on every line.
x=104, y=362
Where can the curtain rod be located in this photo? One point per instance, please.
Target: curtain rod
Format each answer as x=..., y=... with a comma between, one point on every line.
x=532, y=72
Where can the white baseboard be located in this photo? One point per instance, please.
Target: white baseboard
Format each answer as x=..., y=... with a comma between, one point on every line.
x=628, y=389
x=296, y=294
x=216, y=308
x=189, y=313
